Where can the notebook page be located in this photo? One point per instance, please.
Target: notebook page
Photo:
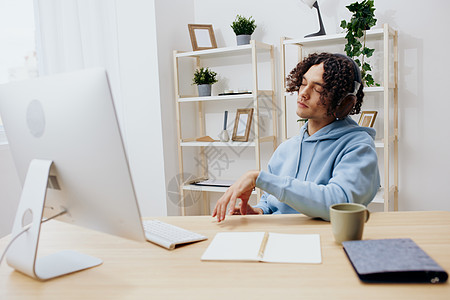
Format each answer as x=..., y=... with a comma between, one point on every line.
x=293, y=248
x=234, y=246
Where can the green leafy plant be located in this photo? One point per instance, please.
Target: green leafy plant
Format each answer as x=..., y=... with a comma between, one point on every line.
x=204, y=76
x=243, y=25
x=361, y=20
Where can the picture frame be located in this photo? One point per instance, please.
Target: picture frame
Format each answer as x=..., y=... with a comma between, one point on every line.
x=202, y=36
x=367, y=118
x=242, y=124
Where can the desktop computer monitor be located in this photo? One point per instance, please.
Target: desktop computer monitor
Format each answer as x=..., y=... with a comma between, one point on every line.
x=67, y=147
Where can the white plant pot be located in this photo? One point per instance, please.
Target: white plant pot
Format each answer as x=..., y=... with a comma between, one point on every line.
x=204, y=90
x=243, y=39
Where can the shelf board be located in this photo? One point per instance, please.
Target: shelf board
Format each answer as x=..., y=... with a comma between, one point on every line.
x=331, y=38
x=373, y=89
x=217, y=144
x=217, y=98
x=216, y=51
x=201, y=188
x=379, y=197
x=261, y=93
x=379, y=144
x=193, y=143
x=220, y=52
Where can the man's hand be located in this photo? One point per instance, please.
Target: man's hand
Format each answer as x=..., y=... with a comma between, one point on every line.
x=249, y=210
x=241, y=189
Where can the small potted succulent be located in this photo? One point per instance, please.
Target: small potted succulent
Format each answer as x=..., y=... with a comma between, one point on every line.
x=204, y=78
x=243, y=28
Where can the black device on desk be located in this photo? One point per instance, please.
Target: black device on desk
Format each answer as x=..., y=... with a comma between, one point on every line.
x=393, y=260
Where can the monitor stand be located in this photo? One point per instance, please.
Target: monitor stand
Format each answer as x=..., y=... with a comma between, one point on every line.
x=22, y=255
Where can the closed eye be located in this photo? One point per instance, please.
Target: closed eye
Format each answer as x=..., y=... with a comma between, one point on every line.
x=303, y=83
x=317, y=87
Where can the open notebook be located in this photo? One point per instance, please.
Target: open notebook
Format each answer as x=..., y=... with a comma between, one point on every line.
x=264, y=247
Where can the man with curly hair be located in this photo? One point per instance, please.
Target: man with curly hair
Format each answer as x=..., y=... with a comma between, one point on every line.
x=332, y=160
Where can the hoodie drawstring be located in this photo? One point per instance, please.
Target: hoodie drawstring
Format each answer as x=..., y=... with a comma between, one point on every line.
x=311, y=159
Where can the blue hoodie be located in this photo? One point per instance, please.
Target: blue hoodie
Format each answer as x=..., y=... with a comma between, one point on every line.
x=307, y=174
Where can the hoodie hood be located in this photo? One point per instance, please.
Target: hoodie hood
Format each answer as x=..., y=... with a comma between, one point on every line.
x=335, y=130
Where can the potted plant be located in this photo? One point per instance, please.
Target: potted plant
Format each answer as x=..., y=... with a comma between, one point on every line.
x=204, y=78
x=361, y=20
x=243, y=28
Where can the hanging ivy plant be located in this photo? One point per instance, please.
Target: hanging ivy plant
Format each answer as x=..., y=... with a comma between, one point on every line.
x=361, y=20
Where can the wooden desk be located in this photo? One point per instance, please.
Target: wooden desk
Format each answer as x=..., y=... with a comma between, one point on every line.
x=133, y=270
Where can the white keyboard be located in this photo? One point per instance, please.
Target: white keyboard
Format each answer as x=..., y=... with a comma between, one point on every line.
x=168, y=235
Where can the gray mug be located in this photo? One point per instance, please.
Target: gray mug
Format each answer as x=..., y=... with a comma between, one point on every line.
x=347, y=221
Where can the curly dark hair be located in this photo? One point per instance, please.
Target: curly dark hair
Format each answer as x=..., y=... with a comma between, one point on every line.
x=338, y=77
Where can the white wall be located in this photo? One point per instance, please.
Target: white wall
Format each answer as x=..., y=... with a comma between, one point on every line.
x=149, y=31
x=137, y=42
x=17, y=42
x=171, y=19
x=17, y=34
x=423, y=75
x=9, y=190
x=424, y=102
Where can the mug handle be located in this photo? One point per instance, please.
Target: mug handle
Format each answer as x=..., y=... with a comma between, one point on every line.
x=367, y=215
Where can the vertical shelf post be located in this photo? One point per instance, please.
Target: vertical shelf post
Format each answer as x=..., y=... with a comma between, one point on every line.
x=386, y=138
x=396, y=120
x=202, y=129
x=256, y=110
x=283, y=88
x=179, y=136
x=274, y=104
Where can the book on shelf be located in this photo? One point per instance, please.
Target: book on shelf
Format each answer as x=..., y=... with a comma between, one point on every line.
x=264, y=247
x=213, y=182
x=235, y=93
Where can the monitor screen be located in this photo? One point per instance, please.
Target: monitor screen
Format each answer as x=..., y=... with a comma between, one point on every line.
x=70, y=119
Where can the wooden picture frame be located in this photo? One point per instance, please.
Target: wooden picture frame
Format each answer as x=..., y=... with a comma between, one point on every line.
x=242, y=124
x=367, y=118
x=202, y=36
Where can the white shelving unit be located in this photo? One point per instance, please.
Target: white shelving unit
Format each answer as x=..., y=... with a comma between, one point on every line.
x=251, y=52
x=388, y=89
